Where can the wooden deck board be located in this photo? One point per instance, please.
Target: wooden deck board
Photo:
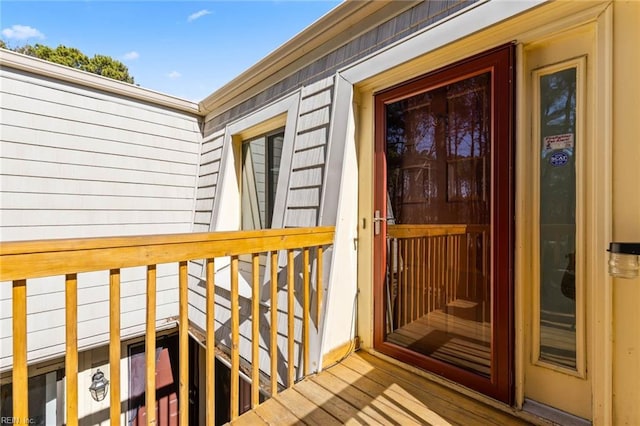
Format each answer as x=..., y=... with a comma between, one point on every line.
x=273, y=412
x=365, y=389
x=377, y=409
x=250, y=418
x=303, y=408
x=450, y=405
x=339, y=408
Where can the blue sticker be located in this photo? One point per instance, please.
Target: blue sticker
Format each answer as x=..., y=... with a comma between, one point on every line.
x=559, y=159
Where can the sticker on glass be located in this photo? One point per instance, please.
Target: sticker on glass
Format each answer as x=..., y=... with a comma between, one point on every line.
x=558, y=141
x=559, y=159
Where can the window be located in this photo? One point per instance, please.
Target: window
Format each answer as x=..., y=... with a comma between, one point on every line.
x=46, y=399
x=260, y=170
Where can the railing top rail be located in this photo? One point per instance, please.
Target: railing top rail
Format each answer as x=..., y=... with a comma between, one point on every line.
x=415, y=230
x=34, y=259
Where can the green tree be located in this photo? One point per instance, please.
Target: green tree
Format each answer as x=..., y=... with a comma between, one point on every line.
x=100, y=64
x=108, y=67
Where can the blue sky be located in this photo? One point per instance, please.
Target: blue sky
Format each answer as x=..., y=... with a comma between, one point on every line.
x=182, y=48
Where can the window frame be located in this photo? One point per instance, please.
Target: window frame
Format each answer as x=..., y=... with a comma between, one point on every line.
x=226, y=215
x=270, y=187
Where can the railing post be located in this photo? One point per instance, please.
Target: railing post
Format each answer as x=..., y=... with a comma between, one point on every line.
x=114, y=345
x=183, y=343
x=150, y=347
x=71, y=360
x=211, y=345
x=20, y=371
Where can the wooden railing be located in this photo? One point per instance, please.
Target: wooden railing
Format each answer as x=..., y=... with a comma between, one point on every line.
x=429, y=266
x=21, y=261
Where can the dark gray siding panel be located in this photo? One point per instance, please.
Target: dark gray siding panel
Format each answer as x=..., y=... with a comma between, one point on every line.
x=309, y=155
x=396, y=28
x=207, y=183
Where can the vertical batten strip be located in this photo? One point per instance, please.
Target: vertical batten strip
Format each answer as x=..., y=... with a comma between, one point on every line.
x=211, y=345
x=290, y=317
x=71, y=360
x=255, y=330
x=235, y=336
x=114, y=345
x=306, y=311
x=20, y=371
x=319, y=284
x=183, y=344
x=274, y=324
x=150, y=346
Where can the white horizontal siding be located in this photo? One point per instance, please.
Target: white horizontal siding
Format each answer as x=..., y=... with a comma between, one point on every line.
x=78, y=162
x=97, y=144
x=63, y=93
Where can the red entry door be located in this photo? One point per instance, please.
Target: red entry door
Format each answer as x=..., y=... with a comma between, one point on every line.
x=444, y=238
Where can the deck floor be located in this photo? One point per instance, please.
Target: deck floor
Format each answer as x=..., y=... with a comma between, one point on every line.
x=364, y=389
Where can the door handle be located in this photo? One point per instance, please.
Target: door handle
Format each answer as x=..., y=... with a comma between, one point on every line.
x=377, y=219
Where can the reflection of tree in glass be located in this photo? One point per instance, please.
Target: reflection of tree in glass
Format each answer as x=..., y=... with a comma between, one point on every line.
x=427, y=132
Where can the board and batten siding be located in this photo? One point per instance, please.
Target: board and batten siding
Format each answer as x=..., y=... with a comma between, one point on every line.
x=304, y=183
x=80, y=162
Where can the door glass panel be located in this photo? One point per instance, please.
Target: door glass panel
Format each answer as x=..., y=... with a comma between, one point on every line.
x=558, y=217
x=437, y=289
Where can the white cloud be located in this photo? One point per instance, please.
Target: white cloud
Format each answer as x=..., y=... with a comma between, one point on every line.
x=21, y=32
x=198, y=14
x=130, y=56
x=174, y=74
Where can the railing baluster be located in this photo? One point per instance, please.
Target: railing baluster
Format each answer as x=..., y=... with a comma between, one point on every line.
x=235, y=337
x=150, y=347
x=183, y=343
x=290, y=317
x=211, y=345
x=429, y=273
x=305, y=310
x=274, y=323
x=419, y=279
x=255, y=330
x=71, y=360
x=412, y=278
x=393, y=273
x=20, y=371
x=319, y=284
x=114, y=345
x=405, y=281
